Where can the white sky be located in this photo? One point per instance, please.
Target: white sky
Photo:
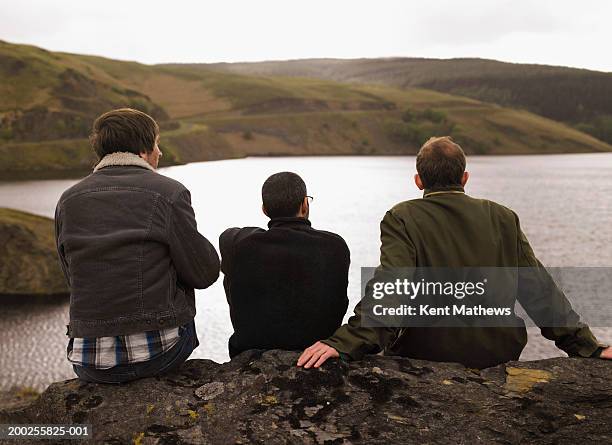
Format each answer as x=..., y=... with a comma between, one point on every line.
x=562, y=32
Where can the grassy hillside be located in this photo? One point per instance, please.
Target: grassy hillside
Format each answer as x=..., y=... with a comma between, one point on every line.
x=46, y=95
x=28, y=257
x=49, y=100
x=579, y=97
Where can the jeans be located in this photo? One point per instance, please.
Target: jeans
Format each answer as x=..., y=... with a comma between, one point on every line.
x=166, y=362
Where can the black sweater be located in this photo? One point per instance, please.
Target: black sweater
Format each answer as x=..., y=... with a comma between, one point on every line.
x=286, y=286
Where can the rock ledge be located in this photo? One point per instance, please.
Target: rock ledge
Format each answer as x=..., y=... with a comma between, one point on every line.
x=264, y=398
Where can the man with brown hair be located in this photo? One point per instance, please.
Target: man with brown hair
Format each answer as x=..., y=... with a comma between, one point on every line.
x=449, y=229
x=132, y=255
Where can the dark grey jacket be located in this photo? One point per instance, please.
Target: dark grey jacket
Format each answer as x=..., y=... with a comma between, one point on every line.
x=130, y=249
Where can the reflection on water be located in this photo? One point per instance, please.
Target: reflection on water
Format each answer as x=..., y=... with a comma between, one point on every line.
x=32, y=343
x=563, y=201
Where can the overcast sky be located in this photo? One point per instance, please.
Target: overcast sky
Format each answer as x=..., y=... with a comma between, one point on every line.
x=562, y=32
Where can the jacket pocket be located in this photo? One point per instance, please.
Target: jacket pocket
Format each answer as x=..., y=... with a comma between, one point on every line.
x=180, y=297
x=172, y=286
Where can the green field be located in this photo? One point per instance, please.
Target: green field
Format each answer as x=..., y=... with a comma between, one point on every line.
x=49, y=100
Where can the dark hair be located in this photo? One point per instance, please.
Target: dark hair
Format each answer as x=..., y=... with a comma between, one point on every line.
x=124, y=129
x=283, y=194
x=440, y=162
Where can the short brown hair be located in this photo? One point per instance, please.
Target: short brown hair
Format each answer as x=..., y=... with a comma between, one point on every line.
x=124, y=129
x=440, y=162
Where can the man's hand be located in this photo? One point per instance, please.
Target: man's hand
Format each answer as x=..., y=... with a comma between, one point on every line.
x=317, y=354
x=606, y=354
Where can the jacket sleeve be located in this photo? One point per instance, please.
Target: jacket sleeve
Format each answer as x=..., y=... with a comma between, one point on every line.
x=353, y=340
x=548, y=306
x=194, y=257
x=60, y=248
x=227, y=244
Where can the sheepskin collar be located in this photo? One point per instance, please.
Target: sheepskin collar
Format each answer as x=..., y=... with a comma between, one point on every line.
x=122, y=158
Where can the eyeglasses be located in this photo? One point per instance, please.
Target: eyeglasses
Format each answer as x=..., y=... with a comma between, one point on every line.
x=310, y=199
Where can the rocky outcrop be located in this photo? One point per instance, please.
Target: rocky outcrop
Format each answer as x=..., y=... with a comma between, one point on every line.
x=28, y=259
x=265, y=398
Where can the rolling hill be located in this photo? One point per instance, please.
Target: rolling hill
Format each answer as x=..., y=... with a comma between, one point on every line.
x=48, y=101
x=578, y=97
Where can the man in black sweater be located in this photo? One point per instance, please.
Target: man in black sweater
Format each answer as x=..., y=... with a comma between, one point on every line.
x=286, y=286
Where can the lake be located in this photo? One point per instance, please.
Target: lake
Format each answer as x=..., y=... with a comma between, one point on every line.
x=564, y=201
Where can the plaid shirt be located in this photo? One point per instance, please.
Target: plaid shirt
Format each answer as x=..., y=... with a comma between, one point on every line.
x=107, y=352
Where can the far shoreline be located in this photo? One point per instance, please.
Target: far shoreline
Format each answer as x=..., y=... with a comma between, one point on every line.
x=13, y=176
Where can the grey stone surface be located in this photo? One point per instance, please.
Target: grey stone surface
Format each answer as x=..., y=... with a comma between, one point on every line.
x=265, y=398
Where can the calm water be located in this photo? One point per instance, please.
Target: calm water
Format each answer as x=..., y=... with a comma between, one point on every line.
x=564, y=201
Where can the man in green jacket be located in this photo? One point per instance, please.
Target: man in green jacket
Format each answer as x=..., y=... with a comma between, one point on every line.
x=447, y=228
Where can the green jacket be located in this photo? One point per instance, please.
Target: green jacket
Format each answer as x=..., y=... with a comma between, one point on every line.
x=447, y=228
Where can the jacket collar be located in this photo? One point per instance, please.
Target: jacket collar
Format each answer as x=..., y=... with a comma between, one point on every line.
x=122, y=159
x=292, y=221
x=451, y=189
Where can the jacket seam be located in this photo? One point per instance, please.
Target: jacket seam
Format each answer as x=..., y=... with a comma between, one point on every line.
x=137, y=317
x=141, y=257
x=110, y=188
x=170, y=296
x=185, y=241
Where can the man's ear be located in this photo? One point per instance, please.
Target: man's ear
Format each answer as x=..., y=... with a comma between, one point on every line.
x=263, y=209
x=464, y=178
x=418, y=182
x=304, y=207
